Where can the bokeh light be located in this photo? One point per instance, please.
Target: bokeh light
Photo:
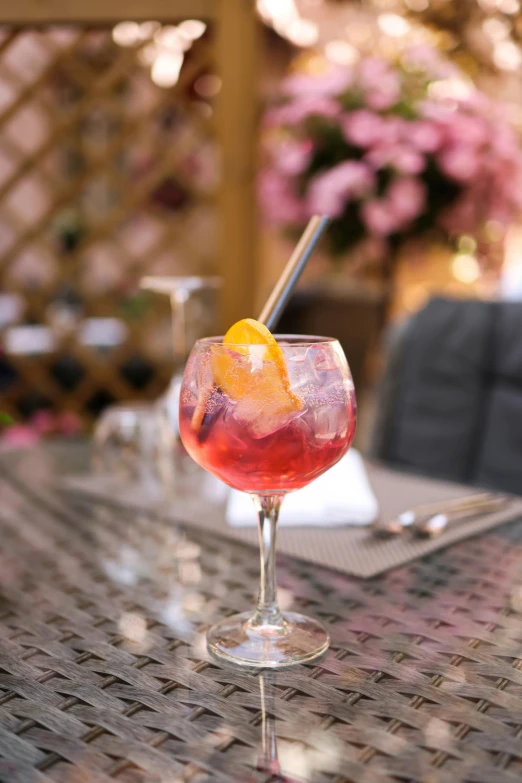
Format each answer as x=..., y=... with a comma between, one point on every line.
x=393, y=25
x=465, y=268
x=126, y=34
x=192, y=29
x=341, y=52
x=208, y=86
x=166, y=68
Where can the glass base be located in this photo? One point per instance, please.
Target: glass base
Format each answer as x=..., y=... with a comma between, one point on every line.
x=298, y=640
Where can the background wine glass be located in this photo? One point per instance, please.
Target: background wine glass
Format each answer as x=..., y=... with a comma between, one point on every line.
x=139, y=441
x=192, y=318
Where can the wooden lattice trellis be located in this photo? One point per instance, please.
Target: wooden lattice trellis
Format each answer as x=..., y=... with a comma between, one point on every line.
x=105, y=177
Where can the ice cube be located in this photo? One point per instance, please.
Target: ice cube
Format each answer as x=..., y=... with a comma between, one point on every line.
x=256, y=354
x=312, y=371
x=301, y=371
x=262, y=421
x=323, y=358
x=327, y=421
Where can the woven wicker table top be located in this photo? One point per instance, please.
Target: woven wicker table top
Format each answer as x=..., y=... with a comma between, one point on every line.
x=104, y=674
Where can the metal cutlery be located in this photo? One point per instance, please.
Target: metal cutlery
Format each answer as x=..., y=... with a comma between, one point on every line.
x=437, y=524
x=431, y=519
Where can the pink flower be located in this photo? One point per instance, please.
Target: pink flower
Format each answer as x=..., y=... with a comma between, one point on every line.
x=393, y=131
x=426, y=58
x=460, y=162
x=362, y=128
x=404, y=201
x=390, y=140
x=408, y=161
x=292, y=157
x=400, y=157
x=468, y=129
x=43, y=422
x=379, y=218
x=504, y=144
x=481, y=104
x=20, y=436
x=437, y=111
x=381, y=85
x=298, y=110
x=323, y=200
x=280, y=204
x=469, y=139
x=425, y=136
x=329, y=192
x=407, y=198
x=385, y=96
x=371, y=72
x=329, y=84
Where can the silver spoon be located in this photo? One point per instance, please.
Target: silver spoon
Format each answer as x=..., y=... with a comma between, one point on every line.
x=417, y=515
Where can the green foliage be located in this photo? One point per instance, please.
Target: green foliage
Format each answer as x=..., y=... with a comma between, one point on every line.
x=5, y=420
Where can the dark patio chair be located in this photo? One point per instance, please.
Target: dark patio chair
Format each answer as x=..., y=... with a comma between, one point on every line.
x=451, y=401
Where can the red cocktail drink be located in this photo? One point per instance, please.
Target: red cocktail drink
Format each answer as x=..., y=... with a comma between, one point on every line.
x=267, y=416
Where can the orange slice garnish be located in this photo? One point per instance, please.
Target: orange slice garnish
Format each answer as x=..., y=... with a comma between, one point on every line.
x=250, y=364
x=250, y=332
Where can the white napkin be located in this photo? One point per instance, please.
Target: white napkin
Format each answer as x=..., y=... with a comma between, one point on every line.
x=341, y=496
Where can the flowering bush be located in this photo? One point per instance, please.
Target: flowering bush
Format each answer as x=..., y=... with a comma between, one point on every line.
x=390, y=152
x=42, y=424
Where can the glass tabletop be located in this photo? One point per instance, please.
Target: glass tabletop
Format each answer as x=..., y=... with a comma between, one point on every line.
x=104, y=673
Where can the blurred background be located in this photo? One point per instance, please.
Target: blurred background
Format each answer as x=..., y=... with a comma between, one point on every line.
x=194, y=138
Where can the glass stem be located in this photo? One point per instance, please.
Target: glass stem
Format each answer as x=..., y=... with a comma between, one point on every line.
x=267, y=612
x=178, y=300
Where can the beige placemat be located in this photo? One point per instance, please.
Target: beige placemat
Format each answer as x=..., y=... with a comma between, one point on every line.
x=352, y=550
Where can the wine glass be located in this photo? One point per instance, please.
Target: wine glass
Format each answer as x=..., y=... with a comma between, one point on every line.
x=125, y=447
x=130, y=446
x=186, y=328
x=267, y=422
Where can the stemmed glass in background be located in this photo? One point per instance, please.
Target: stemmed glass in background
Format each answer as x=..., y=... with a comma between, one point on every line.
x=187, y=327
x=137, y=441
